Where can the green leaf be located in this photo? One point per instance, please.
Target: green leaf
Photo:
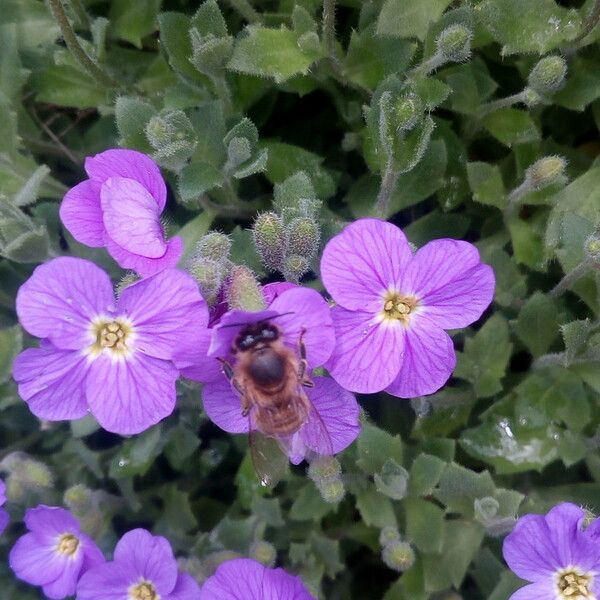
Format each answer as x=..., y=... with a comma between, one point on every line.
x=132, y=116
x=582, y=85
x=193, y=231
x=375, y=509
x=536, y=26
x=270, y=53
x=486, y=357
x=460, y=487
x=197, y=178
x=537, y=323
x=133, y=21
x=11, y=343
x=486, y=184
x=425, y=524
x=375, y=446
x=425, y=473
x=471, y=86
x=463, y=540
x=510, y=282
x=309, y=505
x=405, y=18
x=511, y=126
x=137, y=455
x=393, y=480
x=527, y=243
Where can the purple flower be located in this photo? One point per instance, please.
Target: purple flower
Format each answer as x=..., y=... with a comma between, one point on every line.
x=554, y=553
x=111, y=358
x=331, y=426
x=143, y=568
x=248, y=579
x=4, y=519
x=393, y=307
x=55, y=553
x=119, y=207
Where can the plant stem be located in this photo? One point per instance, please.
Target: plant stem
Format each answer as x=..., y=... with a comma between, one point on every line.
x=223, y=92
x=226, y=210
x=502, y=103
x=589, y=24
x=75, y=48
x=431, y=64
x=515, y=196
x=246, y=10
x=571, y=277
x=328, y=28
x=388, y=183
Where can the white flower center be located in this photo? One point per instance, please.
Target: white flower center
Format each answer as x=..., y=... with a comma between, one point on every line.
x=67, y=544
x=572, y=584
x=144, y=590
x=111, y=335
x=398, y=307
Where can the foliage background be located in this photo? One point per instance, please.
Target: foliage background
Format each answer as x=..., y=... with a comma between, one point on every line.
x=517, y=428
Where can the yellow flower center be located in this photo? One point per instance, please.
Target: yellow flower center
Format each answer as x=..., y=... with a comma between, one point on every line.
x=67, y=544
x=143, y=591
x=574, y=585
x=398, y=307
x=114, y=336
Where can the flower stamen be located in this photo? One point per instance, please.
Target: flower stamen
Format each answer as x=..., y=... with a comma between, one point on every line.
x=113, y=335
x=67, y=544
x=574, y=585
x=398, y=307
x=143, y=591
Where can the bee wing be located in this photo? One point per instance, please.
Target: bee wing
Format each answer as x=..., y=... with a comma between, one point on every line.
x=270, y=463
x=315, y=434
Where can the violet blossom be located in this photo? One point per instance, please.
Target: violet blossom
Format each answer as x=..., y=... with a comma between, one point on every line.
x=556, y=554
x=143, y=568
x=393, y=307
x=113, y=358
x=54, y=553
x=4, y=519
x=293, y=311
x=119, y=208
x=250, y=580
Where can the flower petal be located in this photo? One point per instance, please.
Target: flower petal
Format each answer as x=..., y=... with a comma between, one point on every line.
x=132, y=217
x=363, y=261
x=132, y=165
x=66, y=583
x=529, y=550
x=223, y=406
x=51, y=521
x=193, y=361
x=339, y=412
x=451, y=282
x=4, y=520
x=270, y=291
x=142, y=265
x=428, y=362
x=52, y=382
x=166, y=309
x=542, y=590
x=129, y=396
x=303, y=309
x=367, y=355
x=148, y=556
x=81, y=213
x=107, y=581
x=186, y=588
x=61, y=298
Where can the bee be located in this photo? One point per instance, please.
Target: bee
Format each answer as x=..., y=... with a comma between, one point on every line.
x=270, y=377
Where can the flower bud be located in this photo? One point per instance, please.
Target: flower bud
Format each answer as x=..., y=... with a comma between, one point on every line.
x=125, y=281
x=208, y=276
x=398, y=556
x=388, y=535
x=263, y=552
x=295, y=267
x=332, y=491
x=243, y=291
x=408, y=110
x=78, y=498
x=268, y=234
x=548, y=75
x=214, y=245
x=486, y=509
x=172, y=135
x=591, y=246
x=546, y=171
x=25, y=475
x=303, y=237
x=210, y=53
x=531, y=97
x=454, y=43
x=324, y=468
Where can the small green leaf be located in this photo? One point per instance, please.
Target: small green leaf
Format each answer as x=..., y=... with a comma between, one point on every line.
x=537, y=323
x=197, y=178
x=425, y=524
x=375, y=446
x=132, y=116
x=133, y=21
x=11, y=343
x=486, y=184
x=375, y=509
x=460, y=487
x=405, y=18
x=511, y=126
x=425, y=474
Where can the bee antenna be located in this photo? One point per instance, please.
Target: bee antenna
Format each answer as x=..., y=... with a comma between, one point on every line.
x=291, y=312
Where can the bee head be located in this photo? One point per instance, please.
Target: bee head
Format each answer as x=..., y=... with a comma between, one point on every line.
x=254, y=334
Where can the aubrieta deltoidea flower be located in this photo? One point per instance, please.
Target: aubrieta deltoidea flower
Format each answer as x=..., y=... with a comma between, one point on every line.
x=143, y=568
x=300, y=320
x=113, y=358
x=119, y=208
x=250, y=580
x=54, y=553
x=393, y=307
x=4, y=519
x=556, y=554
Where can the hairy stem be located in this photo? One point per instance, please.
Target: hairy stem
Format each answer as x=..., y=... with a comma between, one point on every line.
x=502, y=103
x=431, y=64
x=75, y=48
x=80, y=13
x=328, y=28
x=246, y=10
x=388, y=183
x=514, y=198
x=571, y=277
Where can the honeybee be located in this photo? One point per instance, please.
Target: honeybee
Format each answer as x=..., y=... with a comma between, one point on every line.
x=270, y=378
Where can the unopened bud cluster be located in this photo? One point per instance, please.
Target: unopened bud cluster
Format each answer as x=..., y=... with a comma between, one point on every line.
x=26, y=476
x=173, y=138
x=209, y=264
x=242, y=290
x=263, y=552
x=326, y=472
x=287, y=239
x=454, y=43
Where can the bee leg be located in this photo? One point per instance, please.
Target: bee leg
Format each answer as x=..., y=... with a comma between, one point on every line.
x=305, y=380
x=229, y=373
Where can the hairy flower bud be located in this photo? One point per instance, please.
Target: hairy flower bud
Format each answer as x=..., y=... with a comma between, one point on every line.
x=25, y=475
x=324, y=468
x=125, y=281
x=486, y=509
x=263, y=552
x=210, y=53
x=591, y=246
x=295, y=267
x=214, y=245
x=454, y=43
x=303, y=237
x=398, y=556
x=408, y=111
x=172, y=135
x=332, y=491
x=243, y=291
x=548, y=75
x=268, y=233
x=78, y=498
x=208, y=274
x=546, y=171
x=389, y=534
